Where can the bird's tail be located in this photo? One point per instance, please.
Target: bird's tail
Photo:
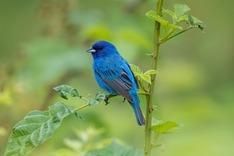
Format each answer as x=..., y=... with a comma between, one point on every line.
x=138, y=113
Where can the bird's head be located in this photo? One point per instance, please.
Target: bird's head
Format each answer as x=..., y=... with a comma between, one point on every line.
x=101, y=49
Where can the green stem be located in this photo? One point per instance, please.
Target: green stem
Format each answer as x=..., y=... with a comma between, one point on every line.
x=182, y=31
x=81, y=107
x=167, y=36
x=149, y=98
x=82, y=98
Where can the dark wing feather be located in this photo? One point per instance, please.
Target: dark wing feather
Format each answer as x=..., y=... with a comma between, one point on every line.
x=121, y=83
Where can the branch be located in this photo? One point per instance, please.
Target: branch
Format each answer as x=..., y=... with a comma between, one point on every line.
x=149, y=98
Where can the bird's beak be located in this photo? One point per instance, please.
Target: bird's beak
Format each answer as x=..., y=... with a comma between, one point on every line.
x=91, y=50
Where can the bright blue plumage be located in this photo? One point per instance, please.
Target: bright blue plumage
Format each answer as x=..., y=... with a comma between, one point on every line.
x=114, y=75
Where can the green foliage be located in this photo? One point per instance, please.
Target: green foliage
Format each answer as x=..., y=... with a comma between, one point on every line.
x=143, y=78
x=164, y=30
x=153, y=15
x=116, y=149
x=164, y=127
x=84, y=140
x=180, y=10
x=179, y=14
x=36, y=127
x=66, y=90
x=39, y=126
x=99, y=98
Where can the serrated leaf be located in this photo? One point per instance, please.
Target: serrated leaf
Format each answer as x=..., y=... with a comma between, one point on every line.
x=92, y=102
x=136, y=70
x=115, y=149
x=164, y=127
x=36, y=127
x=153, y=15
x=142, y=77
x=180, y=10
x=147, y=75
x=66, y=90
x=168, y=12
x=99, y=98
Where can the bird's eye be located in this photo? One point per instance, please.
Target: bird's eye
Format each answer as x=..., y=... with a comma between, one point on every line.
x=100, y=48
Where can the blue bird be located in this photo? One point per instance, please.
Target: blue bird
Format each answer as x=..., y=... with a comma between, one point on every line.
x=113, y=74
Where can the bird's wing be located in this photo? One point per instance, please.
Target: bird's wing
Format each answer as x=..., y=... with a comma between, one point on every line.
x=121, y=82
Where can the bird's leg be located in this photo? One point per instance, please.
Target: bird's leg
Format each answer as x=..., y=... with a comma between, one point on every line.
x=124, y=99
x=108, y=97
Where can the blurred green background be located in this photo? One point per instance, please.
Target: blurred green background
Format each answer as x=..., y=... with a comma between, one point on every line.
x=43, y=44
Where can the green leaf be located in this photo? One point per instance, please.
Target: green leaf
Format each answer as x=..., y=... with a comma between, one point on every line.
x=196, y=21
x=136, y=70
x=115, y=149
x=180, y=10
x=153, y=15
x=140, y=91
x=190, y=19
x=183, y=18
x=92, y=102
x=36, y=127
x=99, y=98
x=150, y=72
x=145, y=78
x=66, y=90
x=147, y=75
x=164, y=127
x=168, y=12
x=142, y=76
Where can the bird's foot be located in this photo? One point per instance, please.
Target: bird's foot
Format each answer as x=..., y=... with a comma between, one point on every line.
x=106, y=100
x=124, y=99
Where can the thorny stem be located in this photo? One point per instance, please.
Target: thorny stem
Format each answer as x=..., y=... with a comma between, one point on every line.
x=149, y=98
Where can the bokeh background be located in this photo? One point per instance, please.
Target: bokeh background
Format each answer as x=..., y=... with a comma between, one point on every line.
x=43, y=44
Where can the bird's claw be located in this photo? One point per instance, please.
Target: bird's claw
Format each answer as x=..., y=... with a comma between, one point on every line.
x=106, y=100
